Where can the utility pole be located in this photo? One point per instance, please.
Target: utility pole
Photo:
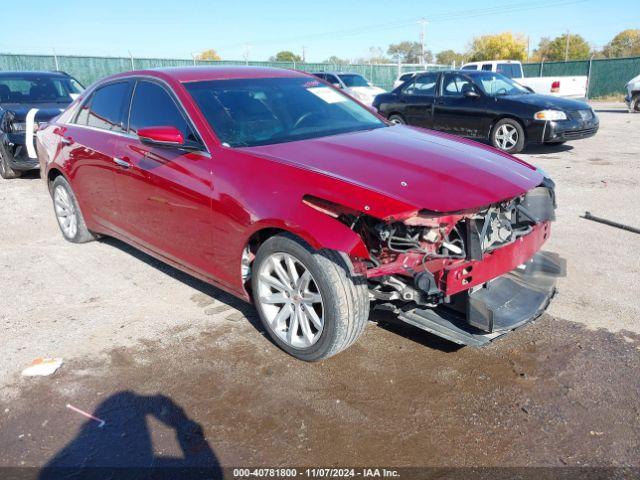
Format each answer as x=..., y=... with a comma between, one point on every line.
x=423, y=26
x=566, y=50
x=245, y=54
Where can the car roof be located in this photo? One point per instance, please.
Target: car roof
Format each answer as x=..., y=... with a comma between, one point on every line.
x=32, y=73
x=199, y=74
x=339, y=73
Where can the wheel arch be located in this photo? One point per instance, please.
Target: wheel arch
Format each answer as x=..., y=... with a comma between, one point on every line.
x=52, y=174
x=319, y=231
x=504, y=116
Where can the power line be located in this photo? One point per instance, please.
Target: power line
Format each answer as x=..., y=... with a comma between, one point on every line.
x=435, y=18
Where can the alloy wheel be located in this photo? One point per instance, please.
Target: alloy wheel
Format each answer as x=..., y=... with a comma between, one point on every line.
x=65, y=212
x=506, y=136
x=290, y=300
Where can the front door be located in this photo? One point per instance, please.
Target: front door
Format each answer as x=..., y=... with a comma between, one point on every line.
x=165, y=192
x=455, y=111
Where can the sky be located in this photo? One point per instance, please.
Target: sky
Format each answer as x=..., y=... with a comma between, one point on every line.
x=345, y=28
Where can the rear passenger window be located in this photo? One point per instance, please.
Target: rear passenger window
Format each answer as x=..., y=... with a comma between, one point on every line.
x=423, y=85
x=152, y=106
x=487, y=67
x=106, y=108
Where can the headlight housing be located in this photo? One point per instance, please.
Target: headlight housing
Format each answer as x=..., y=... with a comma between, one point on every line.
x=550, y=115
x=17, y=127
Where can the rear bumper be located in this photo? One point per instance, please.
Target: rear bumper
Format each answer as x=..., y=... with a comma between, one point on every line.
x=502, y=305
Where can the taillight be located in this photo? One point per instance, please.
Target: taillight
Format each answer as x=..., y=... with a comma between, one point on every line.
x=555, y=86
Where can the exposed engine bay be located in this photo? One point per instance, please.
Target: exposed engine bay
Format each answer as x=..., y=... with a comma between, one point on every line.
x=431, y=260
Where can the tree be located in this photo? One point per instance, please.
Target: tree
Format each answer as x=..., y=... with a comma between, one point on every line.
x=210, y=54
x=286, y=56
x=336, y=60
x=556, y=49
x=409, y=52
x=375, y=56
x=624, y=44
x=506, y=45
x=448, y=57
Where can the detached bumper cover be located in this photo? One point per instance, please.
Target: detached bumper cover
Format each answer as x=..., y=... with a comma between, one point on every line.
x=497, y=308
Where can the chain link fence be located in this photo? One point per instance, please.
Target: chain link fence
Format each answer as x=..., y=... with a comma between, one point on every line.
x=90, y=69
x=606, y=76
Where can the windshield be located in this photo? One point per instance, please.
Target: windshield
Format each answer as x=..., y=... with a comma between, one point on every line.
x=263, y=111
x=496, y=84
x=353, y=80
x=38, y=89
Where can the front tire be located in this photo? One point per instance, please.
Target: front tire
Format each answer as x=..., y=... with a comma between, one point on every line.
x=397, y=119
x=68, y=214
x=6, y=171
x=308, y=301
x=508, y=136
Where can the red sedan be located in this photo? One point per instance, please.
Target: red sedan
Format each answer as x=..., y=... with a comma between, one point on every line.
x=282, y=190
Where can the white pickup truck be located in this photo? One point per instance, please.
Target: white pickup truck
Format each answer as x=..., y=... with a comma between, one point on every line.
x=569, y=87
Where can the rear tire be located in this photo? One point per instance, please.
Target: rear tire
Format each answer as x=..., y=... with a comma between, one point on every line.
x=397, y=119
x=6, y=171
x=68, y=214
x=308, y=301
x=508, y=135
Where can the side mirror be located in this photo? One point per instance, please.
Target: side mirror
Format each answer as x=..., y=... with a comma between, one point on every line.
x=337, y=85
x=161, y=136
x=471, y=94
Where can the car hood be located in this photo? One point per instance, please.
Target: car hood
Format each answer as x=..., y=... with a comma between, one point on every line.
x=635, y=79
x=422, y=169
x=542, y=102
x=46, y=111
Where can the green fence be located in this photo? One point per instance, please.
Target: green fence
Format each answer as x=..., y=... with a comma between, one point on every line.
x=606, y=76
x=90, y=69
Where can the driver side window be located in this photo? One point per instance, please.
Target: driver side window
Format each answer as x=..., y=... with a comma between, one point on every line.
x=455, y=85
x=152, y=106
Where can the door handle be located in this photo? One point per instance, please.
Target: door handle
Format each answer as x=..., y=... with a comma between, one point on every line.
x=122, y=163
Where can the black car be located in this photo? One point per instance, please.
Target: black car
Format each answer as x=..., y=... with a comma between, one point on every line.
x=489, y=106
x=26, y=100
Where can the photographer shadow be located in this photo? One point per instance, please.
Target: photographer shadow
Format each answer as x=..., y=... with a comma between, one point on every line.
x=123, y=447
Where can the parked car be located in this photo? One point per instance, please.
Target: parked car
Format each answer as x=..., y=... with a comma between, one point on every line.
x=26, y=100
x=560, y=86
x=352, y=83
x=632, y=98
x=282, y=190
x=487, y=106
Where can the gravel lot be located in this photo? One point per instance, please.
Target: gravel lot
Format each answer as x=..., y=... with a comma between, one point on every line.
x=142, y=340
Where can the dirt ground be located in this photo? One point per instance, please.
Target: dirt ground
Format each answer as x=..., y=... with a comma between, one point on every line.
x=183, y=375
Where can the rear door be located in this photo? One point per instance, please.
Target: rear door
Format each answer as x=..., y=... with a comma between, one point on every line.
x=417, y=98
x=165, y=192
x=89, y=143
x=457, y=113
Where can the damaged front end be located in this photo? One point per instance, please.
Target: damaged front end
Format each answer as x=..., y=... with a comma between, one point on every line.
x=467, y=276
x=15, y=135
